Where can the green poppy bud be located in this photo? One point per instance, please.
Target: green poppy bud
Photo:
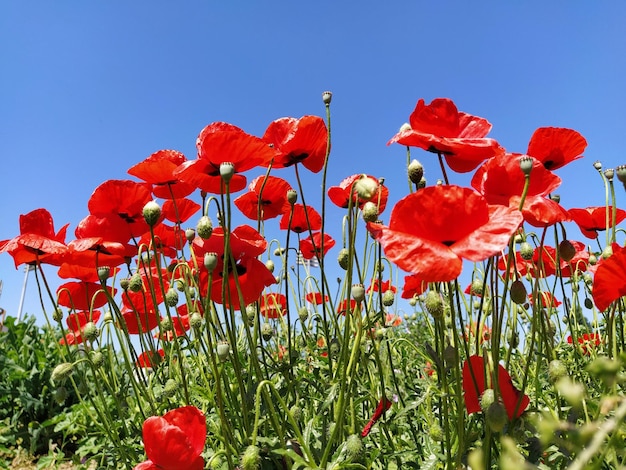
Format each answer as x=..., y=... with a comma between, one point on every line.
x=60, y=395
x=477, y=287
x=434, y=304
x=415, y=171
x=365, y=187
x=170, y=388
x=62, y=372
x=388, y=298
x=526, y=251
x=171, y=297
x=588, y=303
x=370, y=212
x=91, y=331
x=135, y=283
x=269, y=264
x=556, y=370
x=303, y=314
x=97, y=359
x=204, y=227
x=151, y=213
x=57, y=315
x=227, y=170
x=251, y=458
x=487, y=399
x=354, y=446
x=166, y=324
x=267, y=331
x=518, y=292
x=195, y=320
x=334, y=347
x=607, y=252
x=496, y=416
x=573, y=392
x=343, y=258
x=422, y=183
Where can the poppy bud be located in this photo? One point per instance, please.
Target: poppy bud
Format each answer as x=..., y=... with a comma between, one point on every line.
x=416, y=171
x=190, y=234
x=170, y=388
x=292, y=196
x=91, y=331
x=204, y=227
x=267, y=331
x=195, y=320
x=296, y=412
x=303, y=314
x=166, y=324
x=567, y=250
x=97, y=359
x=608, y=174
x=422, y=183
x=62, y=371
x=514, y=339
x=151, y=213
x=496, y=416
x=434, y=304
x=269, y=264
x=518, y=292
x=103, y=273
x=251, y=458
x=227, y=170
x=621, y=173
x=526, y=251
x=60, y=394
x=358, y=292
x=593, y=259
x=180, y=285
x=435, y=432
x=588, y=303
x=210, y=261
x=477, y=287
x=354, y=447
x=487, y=399
x=171, y=297
x=223, y=350
x=365, y=187
x=555, y=197
x=556, y=370
x=135, y=284
x=526, y=164
x=279, y=251
x=334, y=347
x=370, y=212
x=57, y=315
x=388, y=298
x=108, y=317
x=327, y=97
x=343, y=258
x=573, y=392
x=607, y=252
x=597, y=165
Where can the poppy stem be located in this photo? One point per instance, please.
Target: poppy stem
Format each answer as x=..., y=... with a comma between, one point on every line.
x=443, y=168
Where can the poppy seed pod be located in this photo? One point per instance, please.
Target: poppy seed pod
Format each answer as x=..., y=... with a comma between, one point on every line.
x=292, y=196
x=621, y=173
x=518, y=292
x=227, y=170
x=190, y=234
x=327, y=97
x=124, y=283
x=526, y=164
x=415, y=171
x=204, y=228
x=151, y=213
x=210, y=261
x=567, y=250
x=103, y=273
x=609, y=173
x=358, y=292
x=597, y=165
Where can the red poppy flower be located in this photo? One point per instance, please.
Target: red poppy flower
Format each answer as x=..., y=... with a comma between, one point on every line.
x=219, y=143
x=81, y=295
x=547, y=300
x=120, y=203
x=76, y=324
x=342, y=308
x=471, y=331
x=381, y=286
x=555, y=147
x=266, y=199
x=501, y=181
x=414, y=285
x=609, y=283
x=383, y=405
x=37, y=240
x=180, y=210
x=302, y=221
x=150, y=358
x=90, y=254
x=393, y=320
x=440, y=128
x=316, y=298
x=168, y=240
x=273, y=305
x=138, y=322
x=475, y=383
x=174, y=441
x=298, y=140
x=432, y=230
x=587, y=341
x=311, y=248
x=593, y=219
x=158, y=170
x=535, y=267
x=340, y=195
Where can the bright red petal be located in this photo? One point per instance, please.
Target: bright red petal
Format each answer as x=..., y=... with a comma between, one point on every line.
x=609, y=282
x=556, y=146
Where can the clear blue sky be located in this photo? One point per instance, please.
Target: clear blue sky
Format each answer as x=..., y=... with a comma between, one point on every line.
x=88, y=89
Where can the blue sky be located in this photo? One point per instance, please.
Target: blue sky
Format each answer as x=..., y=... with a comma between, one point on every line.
x=88, y=89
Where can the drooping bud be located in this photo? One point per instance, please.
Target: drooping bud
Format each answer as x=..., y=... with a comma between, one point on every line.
x=166, y=324
x=526, y=251
x=204, y=228
x=607, y=252
x=334, y=347
x=518, y=292
x=370, y=212
x=487, y=399
x=365, y=187
x=343, y=258
x=135, y=283
x=251, y=458
x=59, y=395
x=195, y=320
x=62, y=372
x=269, y=264
x=556, y=370
x=556, y=198
x=171, y=297
x=227, y=170
x=57, y=315
x=416, y=171
x=170, y=388
x=91, y=331
x=327, y=97
x=434, y=304
x=405, y=127
x=526, y=164
x=567, y=250
x=477, y=287
x=97, y=359
x=354, y=446
x=422, y=183
x=303, y=314
x=210, y=261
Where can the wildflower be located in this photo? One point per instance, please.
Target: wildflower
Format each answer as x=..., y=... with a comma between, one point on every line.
x=591, y=220
x=340, y=195
x=312, y=247
x=383, y=405
x=609, y=282
x=158, y=170
x=301, y=220
x=586, y=341
x=555, y=147
x=266, y=198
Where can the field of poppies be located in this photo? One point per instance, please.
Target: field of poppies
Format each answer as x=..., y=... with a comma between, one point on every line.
x=457, y=327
